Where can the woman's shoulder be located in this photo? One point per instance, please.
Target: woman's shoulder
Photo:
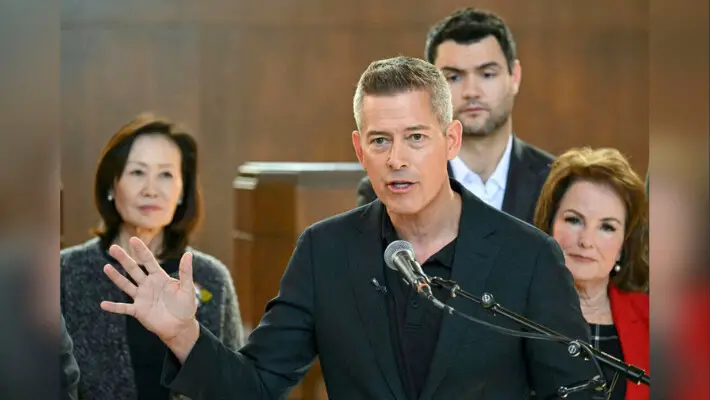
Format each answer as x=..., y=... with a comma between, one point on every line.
x=203, y=263
x=638, y=301
x=634, y=297
x=641, y=301
x=88, y=251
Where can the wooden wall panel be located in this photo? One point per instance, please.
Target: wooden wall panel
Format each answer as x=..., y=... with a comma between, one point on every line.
x=273, y=80
x=109, y=75
x=259, y=84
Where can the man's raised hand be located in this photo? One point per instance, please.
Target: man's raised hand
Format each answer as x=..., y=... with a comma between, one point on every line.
x=163, y=305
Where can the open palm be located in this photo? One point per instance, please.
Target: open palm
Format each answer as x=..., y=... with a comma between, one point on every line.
x=163, y=305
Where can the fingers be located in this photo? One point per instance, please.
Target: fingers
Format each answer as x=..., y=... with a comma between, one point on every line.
x=144, y=256
x=186, y=272
x=127, y=263
x=119, y=308
x=121, y=281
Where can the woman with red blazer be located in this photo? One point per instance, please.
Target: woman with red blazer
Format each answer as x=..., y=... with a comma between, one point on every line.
x=595, y=207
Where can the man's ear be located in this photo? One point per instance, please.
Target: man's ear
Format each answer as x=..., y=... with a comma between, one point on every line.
x=358, y=147
x=453, y=136
x=517, y=76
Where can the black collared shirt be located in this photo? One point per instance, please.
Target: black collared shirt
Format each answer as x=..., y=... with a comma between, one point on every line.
x=413, y=321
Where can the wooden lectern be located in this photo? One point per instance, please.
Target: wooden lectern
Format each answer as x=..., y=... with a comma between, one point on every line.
x=274, y=203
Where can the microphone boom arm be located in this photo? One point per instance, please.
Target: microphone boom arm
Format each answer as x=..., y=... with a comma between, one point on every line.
x=487, y=301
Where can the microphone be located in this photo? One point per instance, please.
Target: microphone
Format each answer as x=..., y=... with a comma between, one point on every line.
x=399, y=256
x=416, y=267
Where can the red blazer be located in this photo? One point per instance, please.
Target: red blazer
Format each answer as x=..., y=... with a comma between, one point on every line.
x=630, y=314
x=692, y=346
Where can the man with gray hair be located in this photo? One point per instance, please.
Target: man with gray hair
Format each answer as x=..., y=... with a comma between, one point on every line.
x=376, y=338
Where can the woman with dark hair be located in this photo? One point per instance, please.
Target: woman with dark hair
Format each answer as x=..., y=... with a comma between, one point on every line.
x=146, y=186
x=594, y=205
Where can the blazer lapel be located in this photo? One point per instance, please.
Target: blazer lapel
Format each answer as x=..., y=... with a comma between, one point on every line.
x=520, y=196
x=473, y=261
x=366, y=263
x=633, y=336
x=633, y=333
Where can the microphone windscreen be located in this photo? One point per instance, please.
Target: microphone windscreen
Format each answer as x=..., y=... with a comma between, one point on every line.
x=394, y=248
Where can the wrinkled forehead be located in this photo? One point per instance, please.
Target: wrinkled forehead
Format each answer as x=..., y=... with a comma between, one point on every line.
x=398, y=112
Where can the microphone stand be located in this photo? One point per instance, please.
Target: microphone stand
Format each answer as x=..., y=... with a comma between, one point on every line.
x=574, y=347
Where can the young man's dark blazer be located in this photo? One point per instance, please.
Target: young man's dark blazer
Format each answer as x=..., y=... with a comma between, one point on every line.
x=327, y=306
x=529, y=167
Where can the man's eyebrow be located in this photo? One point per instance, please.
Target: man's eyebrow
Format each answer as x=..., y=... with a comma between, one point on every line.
x=489, y=64
x=452, y=69
x=378, y=133
x=419, y=127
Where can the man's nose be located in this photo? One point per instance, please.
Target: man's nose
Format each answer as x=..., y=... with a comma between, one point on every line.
x=398, y=157
x=471, y=88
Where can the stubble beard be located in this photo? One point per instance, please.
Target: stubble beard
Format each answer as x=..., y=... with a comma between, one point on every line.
x=495, y=120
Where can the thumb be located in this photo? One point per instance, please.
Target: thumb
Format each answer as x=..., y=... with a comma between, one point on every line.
x=186, y=272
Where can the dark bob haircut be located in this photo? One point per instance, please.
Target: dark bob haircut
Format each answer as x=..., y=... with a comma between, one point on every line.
x=188, y=214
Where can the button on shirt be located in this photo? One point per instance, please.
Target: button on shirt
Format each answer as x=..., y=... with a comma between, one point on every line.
x=493, y=191
x=413, y=321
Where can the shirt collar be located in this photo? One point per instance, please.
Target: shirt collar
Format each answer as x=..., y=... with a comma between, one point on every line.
x=500, y=174
x=389, y=234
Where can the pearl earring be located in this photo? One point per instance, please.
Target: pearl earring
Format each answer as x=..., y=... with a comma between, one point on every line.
x=617, y=267
x=110, y=196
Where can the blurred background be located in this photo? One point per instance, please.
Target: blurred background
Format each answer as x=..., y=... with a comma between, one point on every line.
x=272, y=81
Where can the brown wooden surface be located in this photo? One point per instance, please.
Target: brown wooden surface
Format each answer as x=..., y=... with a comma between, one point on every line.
x=61, y=216
x=273, y=81
x=274, y=203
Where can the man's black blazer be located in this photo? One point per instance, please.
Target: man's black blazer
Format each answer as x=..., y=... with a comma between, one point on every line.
x=327, y=306
x=529, y=167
